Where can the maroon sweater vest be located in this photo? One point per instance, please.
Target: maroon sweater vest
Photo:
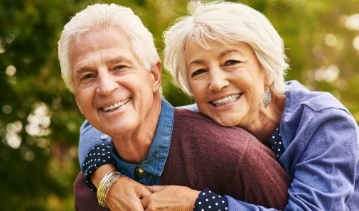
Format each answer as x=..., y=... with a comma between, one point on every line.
x=228, y=160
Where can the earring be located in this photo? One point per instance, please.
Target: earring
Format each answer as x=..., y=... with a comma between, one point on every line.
x=267, y=98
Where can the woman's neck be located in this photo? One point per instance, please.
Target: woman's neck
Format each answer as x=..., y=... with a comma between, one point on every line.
x=271, y=118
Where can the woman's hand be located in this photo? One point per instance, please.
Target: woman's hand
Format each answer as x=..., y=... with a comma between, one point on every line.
x=126, y=194
x=170, y=197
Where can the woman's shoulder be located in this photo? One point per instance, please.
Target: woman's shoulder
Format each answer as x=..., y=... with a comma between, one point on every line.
x=302, y=106
x=299, y=97
x=311, y=112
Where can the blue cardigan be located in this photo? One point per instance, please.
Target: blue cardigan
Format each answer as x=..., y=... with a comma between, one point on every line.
x=321, y=143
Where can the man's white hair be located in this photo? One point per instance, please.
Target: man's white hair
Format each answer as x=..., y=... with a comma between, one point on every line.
x=99, y=16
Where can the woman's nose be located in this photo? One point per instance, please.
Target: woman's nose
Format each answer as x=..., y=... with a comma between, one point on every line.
x=218, y=79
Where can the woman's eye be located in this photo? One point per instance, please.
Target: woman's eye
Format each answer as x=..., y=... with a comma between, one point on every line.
x=231, y=62
x=118, y=67
x=198, y=72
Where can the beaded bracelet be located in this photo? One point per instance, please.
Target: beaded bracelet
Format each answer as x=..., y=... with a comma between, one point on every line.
x=105, y=186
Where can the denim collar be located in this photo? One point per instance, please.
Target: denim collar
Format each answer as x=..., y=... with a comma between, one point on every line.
x=156, y=158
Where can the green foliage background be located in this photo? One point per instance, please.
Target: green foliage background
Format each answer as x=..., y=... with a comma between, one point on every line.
x=39, y=119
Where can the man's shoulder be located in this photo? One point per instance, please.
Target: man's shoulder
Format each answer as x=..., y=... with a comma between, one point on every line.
x=194, y=131
x=197, y=123
x=185, y=114
x=187, y=118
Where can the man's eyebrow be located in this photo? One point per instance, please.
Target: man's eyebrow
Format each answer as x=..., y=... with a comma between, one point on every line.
x=82, y=69
x=118, y=59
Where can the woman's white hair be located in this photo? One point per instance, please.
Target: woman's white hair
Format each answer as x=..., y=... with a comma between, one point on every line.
x=227, y=23
x=99, y=16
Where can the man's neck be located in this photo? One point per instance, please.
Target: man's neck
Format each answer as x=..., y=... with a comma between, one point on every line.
x=134, y=147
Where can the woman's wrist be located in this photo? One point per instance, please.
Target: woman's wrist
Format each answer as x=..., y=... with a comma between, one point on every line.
x=97, y=163
x=105, y=185
x=100, y=173
x=208, y=200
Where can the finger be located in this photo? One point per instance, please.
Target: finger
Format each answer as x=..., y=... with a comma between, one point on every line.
x=145, y=202
x=145, y=192
x=128, y=205
x=155, y=188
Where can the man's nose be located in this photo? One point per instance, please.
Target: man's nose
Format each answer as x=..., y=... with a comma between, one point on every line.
x=106, y=83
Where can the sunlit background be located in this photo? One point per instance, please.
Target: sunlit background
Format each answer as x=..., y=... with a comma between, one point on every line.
x=39, y=119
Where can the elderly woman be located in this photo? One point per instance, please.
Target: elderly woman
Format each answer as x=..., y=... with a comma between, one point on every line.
x=231, y=60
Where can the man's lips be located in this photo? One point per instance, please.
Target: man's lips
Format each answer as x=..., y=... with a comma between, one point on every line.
x=116, y=105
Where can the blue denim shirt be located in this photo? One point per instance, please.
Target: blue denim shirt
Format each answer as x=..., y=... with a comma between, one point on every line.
x=150, y=170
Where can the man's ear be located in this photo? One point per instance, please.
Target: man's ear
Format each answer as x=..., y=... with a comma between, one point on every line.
x=78, y=105
x=156, y=72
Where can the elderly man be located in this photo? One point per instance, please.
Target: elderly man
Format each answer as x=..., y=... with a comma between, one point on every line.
x=109, y=62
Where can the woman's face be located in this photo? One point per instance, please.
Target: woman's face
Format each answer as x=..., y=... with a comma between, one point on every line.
x=227, y=83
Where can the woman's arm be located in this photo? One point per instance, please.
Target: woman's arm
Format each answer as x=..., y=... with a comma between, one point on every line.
x=96, y=161
x=92, y=146
x=323, y=158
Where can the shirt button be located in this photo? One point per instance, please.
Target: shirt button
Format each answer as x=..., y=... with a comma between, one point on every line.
x=140, y=171
x=103, y=136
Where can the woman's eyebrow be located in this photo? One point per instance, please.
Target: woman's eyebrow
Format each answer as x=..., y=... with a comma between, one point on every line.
x=222, y=54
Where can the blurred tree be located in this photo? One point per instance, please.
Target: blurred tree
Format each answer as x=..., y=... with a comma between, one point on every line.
x=39, y=119
x=322, y=41
x=37, y=163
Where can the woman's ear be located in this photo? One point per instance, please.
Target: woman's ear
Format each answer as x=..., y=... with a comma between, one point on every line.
x=269, y=80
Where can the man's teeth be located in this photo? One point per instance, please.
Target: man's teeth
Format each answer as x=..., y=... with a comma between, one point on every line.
x=226, y=100
x=116, y=105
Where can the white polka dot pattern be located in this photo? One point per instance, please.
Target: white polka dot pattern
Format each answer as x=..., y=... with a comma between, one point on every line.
x=276, y=141
x=97, y=157
x=208, y=200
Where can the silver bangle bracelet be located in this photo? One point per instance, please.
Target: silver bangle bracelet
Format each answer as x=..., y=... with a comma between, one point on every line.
x=105, y=186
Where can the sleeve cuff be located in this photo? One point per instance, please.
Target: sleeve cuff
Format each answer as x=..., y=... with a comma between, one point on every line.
x=209, y=200
x=98, y=156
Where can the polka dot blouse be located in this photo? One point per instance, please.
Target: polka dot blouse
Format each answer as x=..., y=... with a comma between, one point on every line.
x=208, y=200
x=276, y=141
x=98, y=156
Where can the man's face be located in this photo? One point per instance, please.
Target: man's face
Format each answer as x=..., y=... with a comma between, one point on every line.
x=112, y=88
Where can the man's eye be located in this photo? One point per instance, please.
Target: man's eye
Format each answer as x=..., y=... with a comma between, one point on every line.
x=198, y=72
x=120, y=68
x=86, y=77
